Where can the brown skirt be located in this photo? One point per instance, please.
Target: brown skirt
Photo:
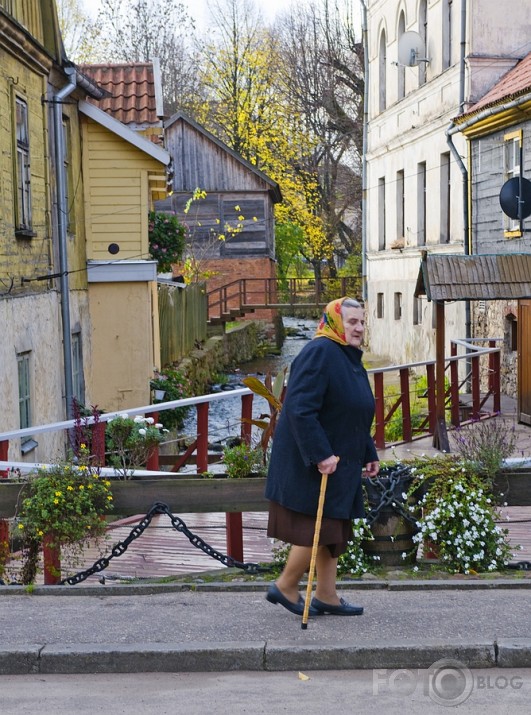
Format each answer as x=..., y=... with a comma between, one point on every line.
x=293, y=527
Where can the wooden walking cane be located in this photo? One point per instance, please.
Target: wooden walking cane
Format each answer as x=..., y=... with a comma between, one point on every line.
x=318, y=519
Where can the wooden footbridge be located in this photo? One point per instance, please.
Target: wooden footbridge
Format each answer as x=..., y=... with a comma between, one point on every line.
x=246, y=295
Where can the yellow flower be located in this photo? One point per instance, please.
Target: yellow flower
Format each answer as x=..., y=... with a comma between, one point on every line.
x=56, y=501
x=40, y=532
x=109, y=497
x=70, y=488
x=82, y=446
x=81, y=486
x=241, y=218
x=254, y=218
x=237, y=208
x=107, y=484
x=89, y=486
x=21, y=526
x=83, y=468
x=58, y=494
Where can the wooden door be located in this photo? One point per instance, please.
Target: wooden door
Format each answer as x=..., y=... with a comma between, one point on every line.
x=524, y=361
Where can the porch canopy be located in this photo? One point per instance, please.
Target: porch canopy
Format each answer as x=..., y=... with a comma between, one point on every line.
x=452, y=277
x=478, y=277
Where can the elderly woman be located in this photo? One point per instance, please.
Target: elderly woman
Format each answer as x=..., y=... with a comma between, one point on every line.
x=324, y=428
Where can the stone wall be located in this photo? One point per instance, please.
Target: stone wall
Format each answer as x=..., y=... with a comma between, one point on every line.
x=220, y=352
x=498, y=319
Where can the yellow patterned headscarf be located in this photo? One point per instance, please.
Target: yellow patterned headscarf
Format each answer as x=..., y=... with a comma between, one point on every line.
x=331, y=324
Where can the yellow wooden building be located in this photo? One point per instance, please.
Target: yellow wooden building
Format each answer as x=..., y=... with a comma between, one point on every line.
x=124, y=174
x=77, y=319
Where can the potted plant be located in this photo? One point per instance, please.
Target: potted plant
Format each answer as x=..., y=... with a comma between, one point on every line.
x=166, y=239
x=458, y=520
x=62, y=505
x=130, y=442
x=243, y=460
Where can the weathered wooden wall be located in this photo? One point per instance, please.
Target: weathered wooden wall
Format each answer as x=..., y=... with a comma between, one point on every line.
x=182, y=320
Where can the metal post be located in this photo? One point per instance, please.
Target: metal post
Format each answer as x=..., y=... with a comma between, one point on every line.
x=51, y=553
x=406, y=405
x=202, y=437
x=153, y=459
x=234, y=520
x=379, y=435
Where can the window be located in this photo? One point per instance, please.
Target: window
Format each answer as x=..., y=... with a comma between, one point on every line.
x=423, y=32
x=401, y=69
x=398, y=306
x=400, y=226
x=445, y=198
x=381, y=214
x=421, y=204
x=23, y=175
x=382, y=72
x=77, y=369
x=447, y=34
x=379, y=305
x=417, y=311
x=24, y=389
x=513, y=159
x=24, y=399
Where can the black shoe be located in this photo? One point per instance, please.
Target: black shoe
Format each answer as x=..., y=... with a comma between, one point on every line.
x=275, y=595
x=345, y=609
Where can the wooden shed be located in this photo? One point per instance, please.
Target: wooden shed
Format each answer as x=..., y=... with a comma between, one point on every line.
x=483, y=277
x=231, y=229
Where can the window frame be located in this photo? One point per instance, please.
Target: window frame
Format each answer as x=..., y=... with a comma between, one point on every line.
x=22, y=169
x=78, y=378
x=512, y=163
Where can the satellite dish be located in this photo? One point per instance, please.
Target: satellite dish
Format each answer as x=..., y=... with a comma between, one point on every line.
x=410, y=49
x=510, y=199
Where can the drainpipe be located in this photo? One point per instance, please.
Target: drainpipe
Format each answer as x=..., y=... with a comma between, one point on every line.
x=364, y=32
x=464, y=171
x=62, y=211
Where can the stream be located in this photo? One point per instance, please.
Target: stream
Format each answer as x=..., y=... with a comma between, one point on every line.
x=224, y=415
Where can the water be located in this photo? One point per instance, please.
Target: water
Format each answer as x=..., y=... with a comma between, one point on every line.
x=224, y=415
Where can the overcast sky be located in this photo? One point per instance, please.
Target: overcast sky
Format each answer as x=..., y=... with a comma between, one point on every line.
x=198, y=8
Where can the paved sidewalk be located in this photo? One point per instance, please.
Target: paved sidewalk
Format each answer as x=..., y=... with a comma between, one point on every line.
x=222, y=627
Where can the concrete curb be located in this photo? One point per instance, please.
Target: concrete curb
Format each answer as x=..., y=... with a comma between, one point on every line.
x=256, y=656
x=255, y=586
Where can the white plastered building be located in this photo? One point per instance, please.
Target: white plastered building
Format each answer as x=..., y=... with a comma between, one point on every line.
x=416, y=173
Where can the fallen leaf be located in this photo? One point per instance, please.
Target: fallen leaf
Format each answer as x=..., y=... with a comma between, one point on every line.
x=303, y=677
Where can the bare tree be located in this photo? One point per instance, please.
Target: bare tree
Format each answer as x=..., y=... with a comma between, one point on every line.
x=323, y=75
x=140, y=30
x=82, y=35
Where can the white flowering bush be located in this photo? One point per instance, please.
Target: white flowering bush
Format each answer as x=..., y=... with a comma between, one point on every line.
x=461, y=521
x=130, y=442
x=355, y=561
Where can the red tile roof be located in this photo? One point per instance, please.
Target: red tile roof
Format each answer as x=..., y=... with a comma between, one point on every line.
x=132, y=90
x=515, y=82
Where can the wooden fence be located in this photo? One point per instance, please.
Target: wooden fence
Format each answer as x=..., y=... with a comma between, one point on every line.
x=183, y=319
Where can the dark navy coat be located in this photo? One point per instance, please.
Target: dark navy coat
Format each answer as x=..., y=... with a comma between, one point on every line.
x=328, y=410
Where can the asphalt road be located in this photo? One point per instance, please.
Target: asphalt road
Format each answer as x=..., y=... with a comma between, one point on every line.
x=493, y=690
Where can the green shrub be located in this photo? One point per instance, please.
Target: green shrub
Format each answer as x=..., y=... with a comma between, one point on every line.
x=242, y=460
x=166, y=239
